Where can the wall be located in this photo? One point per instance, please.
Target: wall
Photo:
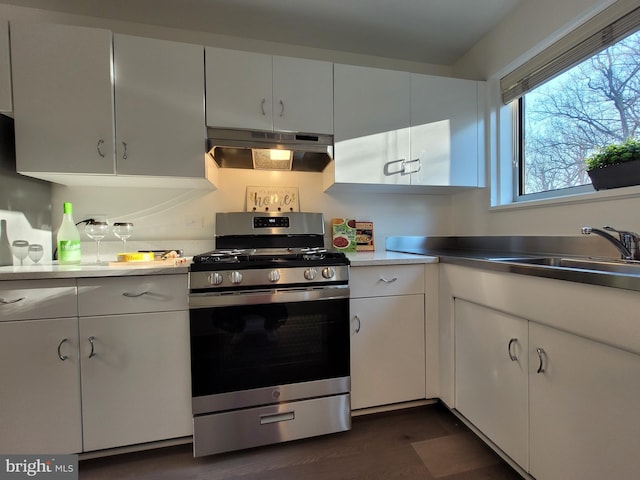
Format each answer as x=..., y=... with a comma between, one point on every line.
x=521, y=35
x=186, y=217
x=25, y=203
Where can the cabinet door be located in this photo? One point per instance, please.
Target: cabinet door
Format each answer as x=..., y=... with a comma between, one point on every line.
x=5, y=68
x=239, y=89
x=584, y=408
x=444, y=130
x=302, y=95
x=159, y=105
x=40, y=394
x=63, y=98
x=371, y=125
x=387, y=350
x=136, y=386
x=491, y=369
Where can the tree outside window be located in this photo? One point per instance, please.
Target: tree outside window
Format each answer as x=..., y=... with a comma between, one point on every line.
x=592, y=105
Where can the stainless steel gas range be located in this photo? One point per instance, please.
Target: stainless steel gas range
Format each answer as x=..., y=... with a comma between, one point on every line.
x=269, y=320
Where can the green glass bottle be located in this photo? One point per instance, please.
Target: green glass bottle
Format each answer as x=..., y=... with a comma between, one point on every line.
x=68, y=238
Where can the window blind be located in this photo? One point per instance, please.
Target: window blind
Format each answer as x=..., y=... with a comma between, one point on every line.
x=613, y=24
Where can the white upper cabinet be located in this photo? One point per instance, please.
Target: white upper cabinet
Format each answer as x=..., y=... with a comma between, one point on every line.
x=372, y=125
x=63, y=99
x=402, y=129
x=261, y=92
x=445, y=130
x=302, y=95
x=73, y=85
x=159, y=106
x=239, y=93
x=5, y=69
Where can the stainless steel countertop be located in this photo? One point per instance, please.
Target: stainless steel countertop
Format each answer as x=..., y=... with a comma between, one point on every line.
x=489, y=253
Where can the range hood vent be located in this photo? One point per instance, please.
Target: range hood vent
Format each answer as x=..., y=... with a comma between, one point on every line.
x=260, y=150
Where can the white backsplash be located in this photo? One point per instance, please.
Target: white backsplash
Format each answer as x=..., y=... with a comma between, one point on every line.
x=179, y=218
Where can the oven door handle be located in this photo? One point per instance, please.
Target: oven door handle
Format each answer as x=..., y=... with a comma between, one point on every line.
x=207, y=300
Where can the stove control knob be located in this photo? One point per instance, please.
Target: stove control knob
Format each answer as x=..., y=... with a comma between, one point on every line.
x=310, y=273
x=273, y=276
x=215, y=278
x=328, y=272
x=236, y=278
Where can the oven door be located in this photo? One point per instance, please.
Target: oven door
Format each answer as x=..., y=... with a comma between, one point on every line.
x=262, y=348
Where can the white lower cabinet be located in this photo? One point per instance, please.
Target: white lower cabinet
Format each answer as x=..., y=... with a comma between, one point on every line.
x=134, y=346
x=40, y=393
x=39, y=368
x=491, y=375
x=93, y=363
x=555, y=388
x=584, y=419
x=135, y=378
x=387, y=335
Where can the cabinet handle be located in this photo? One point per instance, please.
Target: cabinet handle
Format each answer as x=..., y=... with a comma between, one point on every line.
x=357, y=319
x=60, y=355
x=386, y=280
x=281, y=108
x=512, y=356
x=542, y=355
x=409, y=172
x=264, y=100
x=4, y=301
x=93, y=352
x=388, y=170
x=124, y=155
x=99, y=147
x=134, y=295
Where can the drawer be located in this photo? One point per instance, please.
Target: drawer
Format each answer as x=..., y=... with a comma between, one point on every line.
x=135, y=294
x=378, y=281
x=254, y=427
x=33, y=299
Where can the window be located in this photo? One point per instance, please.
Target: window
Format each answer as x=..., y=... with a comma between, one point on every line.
x=578, y=95
x=563, y=121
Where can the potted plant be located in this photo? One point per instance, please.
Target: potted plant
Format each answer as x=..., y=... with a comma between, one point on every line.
x=616, y=165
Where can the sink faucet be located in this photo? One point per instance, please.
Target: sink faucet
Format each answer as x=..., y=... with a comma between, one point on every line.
x=628, y=244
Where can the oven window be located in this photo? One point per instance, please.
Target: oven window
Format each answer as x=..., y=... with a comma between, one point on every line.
x=252, y=346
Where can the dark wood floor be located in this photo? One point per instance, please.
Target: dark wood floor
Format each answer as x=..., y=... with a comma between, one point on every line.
x=419, y=443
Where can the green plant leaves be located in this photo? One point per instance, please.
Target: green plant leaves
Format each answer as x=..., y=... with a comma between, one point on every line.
x=614, y=153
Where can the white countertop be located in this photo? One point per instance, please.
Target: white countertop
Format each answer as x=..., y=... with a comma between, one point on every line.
x=382, y=257
x=53, y=270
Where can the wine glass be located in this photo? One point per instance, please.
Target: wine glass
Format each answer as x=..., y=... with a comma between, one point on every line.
x=123, y=230
x=20, y=249
x=35, y=252
x=96, y=230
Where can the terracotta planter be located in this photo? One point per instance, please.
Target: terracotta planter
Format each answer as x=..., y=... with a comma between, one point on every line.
x=623, y=174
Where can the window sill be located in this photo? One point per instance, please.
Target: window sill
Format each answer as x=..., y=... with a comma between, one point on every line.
x=590, y=197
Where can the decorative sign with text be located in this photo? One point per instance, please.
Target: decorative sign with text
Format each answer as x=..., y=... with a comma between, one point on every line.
x=273, y=199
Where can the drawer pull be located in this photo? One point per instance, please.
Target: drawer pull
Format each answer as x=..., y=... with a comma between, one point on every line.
x=512, y=356
x=93, y=352
x=134, y=295
x=60, y=355
x=4, y=301
x=277, y=417
x=387, y=280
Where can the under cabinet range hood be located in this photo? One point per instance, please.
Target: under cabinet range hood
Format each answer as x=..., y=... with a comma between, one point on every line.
x=261, y=150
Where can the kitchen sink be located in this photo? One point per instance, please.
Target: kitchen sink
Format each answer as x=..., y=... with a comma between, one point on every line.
x=600, y=265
